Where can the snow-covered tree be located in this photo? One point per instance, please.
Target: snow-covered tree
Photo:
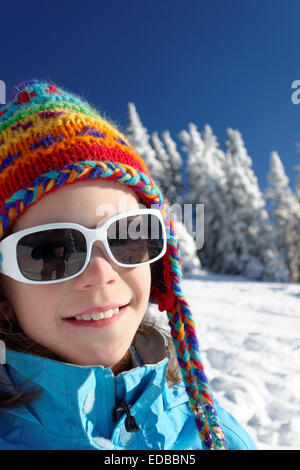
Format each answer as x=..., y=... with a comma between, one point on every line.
x=161, y=157
x=206, y=186
x=297, y=170
x=176, y=163
x=171, y=161
x=285, y=216
x=248, y=244
x=165, y=176
x=193, y=147
x=138, y=135
x=190, y=263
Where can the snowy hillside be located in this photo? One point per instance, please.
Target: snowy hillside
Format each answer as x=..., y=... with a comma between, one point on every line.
x=249, y=335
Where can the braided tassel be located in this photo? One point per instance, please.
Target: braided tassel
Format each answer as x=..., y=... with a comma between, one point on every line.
x=177, y=332
x=208, y=423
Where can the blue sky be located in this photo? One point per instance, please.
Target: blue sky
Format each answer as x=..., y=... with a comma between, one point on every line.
x=228, y=63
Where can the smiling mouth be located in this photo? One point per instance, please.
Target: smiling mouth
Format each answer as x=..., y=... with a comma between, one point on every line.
x=97, y=315
x=98, y=318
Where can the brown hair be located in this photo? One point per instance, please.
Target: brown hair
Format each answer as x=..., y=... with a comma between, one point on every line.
x=15, y=338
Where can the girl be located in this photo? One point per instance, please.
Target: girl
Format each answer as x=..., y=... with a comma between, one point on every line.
x=84, y=368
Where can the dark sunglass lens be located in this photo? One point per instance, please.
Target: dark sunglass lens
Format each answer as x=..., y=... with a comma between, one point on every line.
x=51, y=254
x=136, y=239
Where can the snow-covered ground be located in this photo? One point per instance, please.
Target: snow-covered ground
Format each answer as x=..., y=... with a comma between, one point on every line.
x=249, y=336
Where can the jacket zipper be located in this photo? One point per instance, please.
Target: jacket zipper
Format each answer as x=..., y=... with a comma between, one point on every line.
x=118, y=411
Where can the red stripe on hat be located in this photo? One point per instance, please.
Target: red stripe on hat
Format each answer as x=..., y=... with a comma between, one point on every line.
x=22, y=175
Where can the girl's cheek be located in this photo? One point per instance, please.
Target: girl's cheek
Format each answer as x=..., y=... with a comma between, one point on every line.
x=143, y=283
x=32, y=303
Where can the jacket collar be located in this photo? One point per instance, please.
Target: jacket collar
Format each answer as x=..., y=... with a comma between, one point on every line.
x=78, y=400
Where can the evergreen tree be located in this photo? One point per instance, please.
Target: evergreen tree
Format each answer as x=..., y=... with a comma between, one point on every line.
x=285, y=215
x=163, y=168
x=165, y=178
x=190, y=263
x=206, y=186
x=171, y=161
x=138, y=135
x=248, y=245
x=176, y=166
x=193, y=147
x=297, y=170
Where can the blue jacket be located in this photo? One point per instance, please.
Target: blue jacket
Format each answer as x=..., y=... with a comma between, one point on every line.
x=75, y=408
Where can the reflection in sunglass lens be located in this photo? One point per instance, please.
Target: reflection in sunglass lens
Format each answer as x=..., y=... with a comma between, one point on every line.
x=136, y=239
x=51, y=254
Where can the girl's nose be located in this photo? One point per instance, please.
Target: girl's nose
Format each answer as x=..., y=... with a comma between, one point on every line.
x=99, y=272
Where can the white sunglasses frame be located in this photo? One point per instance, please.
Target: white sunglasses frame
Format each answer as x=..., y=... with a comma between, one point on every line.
x=8, y=247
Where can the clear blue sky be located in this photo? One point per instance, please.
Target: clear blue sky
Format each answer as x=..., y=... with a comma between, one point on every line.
x=228, y=63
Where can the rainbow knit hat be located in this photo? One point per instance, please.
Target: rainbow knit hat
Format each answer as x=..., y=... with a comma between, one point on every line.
x=50, y=137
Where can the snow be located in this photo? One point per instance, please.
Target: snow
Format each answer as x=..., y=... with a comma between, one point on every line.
x=249, y=342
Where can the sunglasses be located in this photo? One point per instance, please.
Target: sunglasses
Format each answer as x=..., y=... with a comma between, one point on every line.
x=51, y=253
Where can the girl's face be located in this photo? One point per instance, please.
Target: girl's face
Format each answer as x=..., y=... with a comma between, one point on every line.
x=42, y=310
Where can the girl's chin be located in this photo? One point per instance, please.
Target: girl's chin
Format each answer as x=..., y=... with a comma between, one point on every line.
x=103, y=358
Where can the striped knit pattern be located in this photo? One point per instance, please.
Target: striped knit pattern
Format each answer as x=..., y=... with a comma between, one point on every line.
x=44, y=128
x=50, y=138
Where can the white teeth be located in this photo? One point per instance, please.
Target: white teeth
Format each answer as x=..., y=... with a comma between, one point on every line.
x=86, y=316
x=109, y=313
x=98, y=315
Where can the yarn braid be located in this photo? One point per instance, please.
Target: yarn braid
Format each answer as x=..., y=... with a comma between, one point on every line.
x=184, y=336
